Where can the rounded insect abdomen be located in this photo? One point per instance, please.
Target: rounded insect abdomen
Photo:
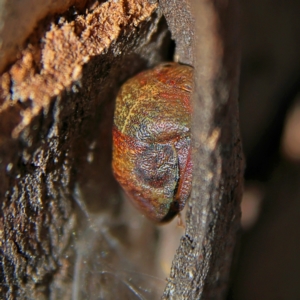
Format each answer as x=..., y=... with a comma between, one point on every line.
x=151, y=140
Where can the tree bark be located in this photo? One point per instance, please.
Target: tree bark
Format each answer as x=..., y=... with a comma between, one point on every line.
x=65, y=231
x=201, y=266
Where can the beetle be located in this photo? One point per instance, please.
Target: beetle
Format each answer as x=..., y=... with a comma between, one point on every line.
x=152, y=140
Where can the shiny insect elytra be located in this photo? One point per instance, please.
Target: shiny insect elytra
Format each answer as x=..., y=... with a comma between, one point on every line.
x=151, y=140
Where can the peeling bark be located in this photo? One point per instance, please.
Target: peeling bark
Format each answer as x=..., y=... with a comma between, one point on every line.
x=56, y=186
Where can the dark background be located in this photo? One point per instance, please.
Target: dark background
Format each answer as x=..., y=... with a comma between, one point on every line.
x=267, y=263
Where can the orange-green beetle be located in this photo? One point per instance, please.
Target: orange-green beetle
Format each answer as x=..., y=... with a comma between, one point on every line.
x=152, y=140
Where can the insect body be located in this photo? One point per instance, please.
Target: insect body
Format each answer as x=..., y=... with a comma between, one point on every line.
x=151, y=140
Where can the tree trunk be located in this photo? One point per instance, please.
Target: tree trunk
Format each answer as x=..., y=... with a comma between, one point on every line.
x=66, y=232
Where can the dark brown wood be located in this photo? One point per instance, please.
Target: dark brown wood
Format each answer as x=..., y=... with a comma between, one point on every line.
x=65, y=231
x=202, y=263
x=181, y=24
x=60, y=220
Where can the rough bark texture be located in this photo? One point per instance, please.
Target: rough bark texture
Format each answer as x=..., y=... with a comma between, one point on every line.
x=202, y=263
x=27, y=13
x=56, y=117
x=181, y=24
x=65, y=232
